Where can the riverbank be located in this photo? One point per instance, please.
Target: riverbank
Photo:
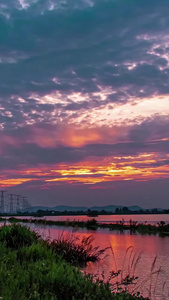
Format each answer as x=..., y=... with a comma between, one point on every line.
x=33, y=269
x=161, y=228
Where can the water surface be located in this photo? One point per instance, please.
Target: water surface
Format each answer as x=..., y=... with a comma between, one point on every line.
x=132, y=253
x=148, y=218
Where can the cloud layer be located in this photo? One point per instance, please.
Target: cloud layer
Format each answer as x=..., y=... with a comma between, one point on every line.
x=83, y=83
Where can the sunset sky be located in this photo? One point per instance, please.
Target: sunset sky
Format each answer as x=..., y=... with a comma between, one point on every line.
x=84, y=101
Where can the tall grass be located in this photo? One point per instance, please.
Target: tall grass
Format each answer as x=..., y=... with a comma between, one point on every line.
x=75, y=251
x=153, y=282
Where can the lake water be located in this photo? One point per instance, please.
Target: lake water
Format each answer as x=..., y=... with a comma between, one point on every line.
x=151, y=219
x=134, y=254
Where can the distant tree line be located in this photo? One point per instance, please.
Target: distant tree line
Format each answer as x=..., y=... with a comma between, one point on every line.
x=94, y=213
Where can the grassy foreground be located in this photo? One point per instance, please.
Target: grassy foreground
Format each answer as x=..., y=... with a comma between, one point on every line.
x=32, y=269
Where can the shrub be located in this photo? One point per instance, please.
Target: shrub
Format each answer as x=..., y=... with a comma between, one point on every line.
x=17, y=236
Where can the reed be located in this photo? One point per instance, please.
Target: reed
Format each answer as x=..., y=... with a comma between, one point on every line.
x=75, y=251
x=125, y=278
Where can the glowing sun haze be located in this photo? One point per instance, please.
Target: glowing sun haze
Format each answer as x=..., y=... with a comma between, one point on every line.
x=84, y=101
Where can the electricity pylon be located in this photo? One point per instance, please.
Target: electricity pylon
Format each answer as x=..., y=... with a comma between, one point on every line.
x=2, y=201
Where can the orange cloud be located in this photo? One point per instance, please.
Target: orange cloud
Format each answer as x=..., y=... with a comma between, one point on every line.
x=13, y=182
x=78, y=136
x=142, y=167
x=69, y=137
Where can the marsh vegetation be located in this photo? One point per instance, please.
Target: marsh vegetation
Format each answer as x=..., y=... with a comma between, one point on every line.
x=160, y=228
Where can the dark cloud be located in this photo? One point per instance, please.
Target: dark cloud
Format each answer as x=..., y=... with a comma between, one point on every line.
x=77, y=42
x=152, y=128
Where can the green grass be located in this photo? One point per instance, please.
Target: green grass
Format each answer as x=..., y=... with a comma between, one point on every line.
x=31, y=270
